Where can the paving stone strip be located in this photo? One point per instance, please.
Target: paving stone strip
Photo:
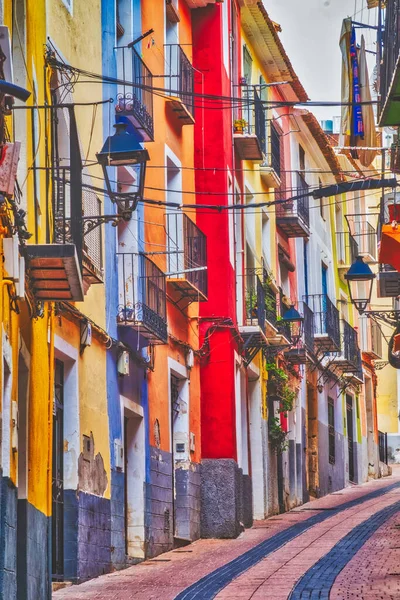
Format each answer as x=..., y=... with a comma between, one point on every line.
x=317, y=582
x=209, y=586
x=374, y=571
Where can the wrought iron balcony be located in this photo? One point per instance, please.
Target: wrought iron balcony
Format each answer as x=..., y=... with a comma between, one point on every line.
x=253, y=332
x=293, y=216
x=68, y=230
x=179, y=78
x=326, y=322
x=365, y=236
x=376, y=340
x=383, y=447
x=55, y=269
x=255, y=301
x=347, y=249
x=390, y=70
x=301, y=352
x=186, y=257
x=250, y=125
x=142, y=297
x=271, y=305
x=388, y=282
x=136, y=101
x=270, y=169
x=348, y=359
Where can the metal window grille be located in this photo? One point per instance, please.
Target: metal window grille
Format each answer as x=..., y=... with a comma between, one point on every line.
x=180, y=75
x=331, y=428
x=186, y=249
x=136, y=101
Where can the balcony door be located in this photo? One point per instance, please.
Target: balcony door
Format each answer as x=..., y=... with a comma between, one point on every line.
x=175, y=242
x=350, y=434
x=58, y=475
x=180, y=451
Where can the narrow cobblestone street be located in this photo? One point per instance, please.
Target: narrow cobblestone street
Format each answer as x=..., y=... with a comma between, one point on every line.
x=345, y=545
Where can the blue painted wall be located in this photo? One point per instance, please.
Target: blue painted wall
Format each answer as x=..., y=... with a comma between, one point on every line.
x=118, y=557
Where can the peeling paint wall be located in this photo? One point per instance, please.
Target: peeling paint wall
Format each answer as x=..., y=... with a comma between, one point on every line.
x=91, y=472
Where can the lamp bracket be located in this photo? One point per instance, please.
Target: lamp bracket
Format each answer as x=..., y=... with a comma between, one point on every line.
x=380, y=364
x=90, y=223
x=272, y=351
x=391, y=317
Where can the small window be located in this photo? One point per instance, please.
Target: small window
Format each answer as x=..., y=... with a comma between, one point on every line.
x=321, y=203
x=331, y=428
x=68, y=5
x=302, y=159
x=247, y=65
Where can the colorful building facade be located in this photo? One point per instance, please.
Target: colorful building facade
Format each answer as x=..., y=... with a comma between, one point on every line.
x=181, y=357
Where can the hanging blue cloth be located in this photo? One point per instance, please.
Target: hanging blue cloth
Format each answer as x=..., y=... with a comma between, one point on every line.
x=357, y=120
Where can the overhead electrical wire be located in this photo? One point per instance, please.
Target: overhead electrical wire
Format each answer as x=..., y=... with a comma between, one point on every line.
x=210, y=97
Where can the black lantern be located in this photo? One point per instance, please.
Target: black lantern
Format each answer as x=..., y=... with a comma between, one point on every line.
x=123, y=150
x=360, y=272
x=295, y=321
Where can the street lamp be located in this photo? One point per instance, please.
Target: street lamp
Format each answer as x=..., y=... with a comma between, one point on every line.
x=123, y=150
x=360, y=272
x=295, y=321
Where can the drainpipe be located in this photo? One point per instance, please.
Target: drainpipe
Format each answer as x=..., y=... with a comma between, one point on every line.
x=50, y=442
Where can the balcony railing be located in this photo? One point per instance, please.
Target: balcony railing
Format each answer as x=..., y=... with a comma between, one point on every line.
x=326, y=321
x=70, y=230
x=252, y=112
x=136, y=101
x=186, y=252
x=364, y=234
x=142, y=297
x=391, y=48
x=347, y=248
x=300, y=351
x=250, y=124
x=308, y=327
x=255, y=301
x=383, y=447
x=284, y=329
x=275, y=150
x=376, y=339
x=271, y=305
x=388, y=282
x=180, y=76
x=350, y=351
x=293, y=216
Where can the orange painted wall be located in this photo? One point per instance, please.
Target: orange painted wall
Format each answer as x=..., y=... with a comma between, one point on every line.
x=183, y=325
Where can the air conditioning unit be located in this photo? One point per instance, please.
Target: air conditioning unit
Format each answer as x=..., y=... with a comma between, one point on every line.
x=14, y=264
x=14, y=430
x=11, y=257
x=119, y=455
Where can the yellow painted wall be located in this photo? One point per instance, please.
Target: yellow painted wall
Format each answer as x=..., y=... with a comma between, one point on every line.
x=387, y=402
x=77, y=38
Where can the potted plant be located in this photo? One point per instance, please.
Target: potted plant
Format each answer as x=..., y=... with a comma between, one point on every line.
x=239, y=125
x=277, y=436
x=251, y=304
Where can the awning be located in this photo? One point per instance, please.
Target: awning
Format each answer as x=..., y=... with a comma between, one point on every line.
x=389, y=252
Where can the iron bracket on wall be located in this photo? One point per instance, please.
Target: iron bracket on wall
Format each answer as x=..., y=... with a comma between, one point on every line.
x=380, y=364
x=90, y=223
x=272, y=351
x=391, y=317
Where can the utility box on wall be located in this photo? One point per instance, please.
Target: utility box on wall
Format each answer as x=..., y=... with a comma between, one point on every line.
x=119, y=455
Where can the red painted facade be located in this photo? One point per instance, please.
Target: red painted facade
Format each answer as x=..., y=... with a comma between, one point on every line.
x=214, y=161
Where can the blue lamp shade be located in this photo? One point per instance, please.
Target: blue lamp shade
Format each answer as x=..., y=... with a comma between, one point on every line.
x=359, y=271
x=122, y=149
x=292, y=316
